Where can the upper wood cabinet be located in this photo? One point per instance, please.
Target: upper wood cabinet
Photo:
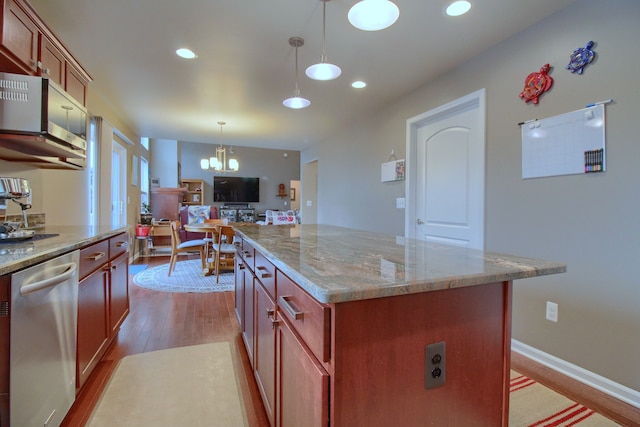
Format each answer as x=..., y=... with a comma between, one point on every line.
x=20, y=38
x=28, y=46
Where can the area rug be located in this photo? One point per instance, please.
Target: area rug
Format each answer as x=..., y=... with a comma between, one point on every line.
x=136, y=268
x=534, y=405
x=186, y=277
x=186, y=386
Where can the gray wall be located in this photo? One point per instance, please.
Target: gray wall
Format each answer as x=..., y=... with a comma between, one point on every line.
x=271, y=166
x=590, y=222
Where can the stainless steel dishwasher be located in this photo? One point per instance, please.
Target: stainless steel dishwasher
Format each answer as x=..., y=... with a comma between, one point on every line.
x=42, y=355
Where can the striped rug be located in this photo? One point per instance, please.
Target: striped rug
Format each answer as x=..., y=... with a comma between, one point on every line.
x=534, y=405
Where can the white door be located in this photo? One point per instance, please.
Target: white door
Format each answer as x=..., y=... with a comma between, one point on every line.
x=447, y=179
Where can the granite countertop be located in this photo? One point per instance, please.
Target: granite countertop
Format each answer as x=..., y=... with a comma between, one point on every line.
x=336, y=264
x=18, y=255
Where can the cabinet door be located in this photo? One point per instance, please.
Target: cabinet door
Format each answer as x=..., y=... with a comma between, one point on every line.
x=5, y=298
x=247, y=334
x=75, y=84
x=118, y=292
x=303, y=389
x=93, y=323
x=239, y=291
x=265, y=350
x=20, y=35
x=52, y=62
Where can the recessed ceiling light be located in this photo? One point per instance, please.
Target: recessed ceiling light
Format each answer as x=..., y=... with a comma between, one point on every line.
x=358, y=84
x=185, y=53
x=458, y=8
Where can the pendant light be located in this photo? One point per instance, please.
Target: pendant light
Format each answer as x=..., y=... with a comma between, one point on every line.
x=296, y=101
x=323, y=70
x=219, y=162
x=373, y=15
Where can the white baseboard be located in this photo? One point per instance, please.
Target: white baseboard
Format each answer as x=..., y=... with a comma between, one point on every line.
x=605, y=385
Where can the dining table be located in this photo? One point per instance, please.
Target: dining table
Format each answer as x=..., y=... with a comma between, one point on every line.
x=207, y=228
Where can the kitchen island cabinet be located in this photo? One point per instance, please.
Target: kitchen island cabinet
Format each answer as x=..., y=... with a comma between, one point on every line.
x=357, y=313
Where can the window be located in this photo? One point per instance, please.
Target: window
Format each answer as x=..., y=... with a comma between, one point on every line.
x=92, y=166
x=144, y=180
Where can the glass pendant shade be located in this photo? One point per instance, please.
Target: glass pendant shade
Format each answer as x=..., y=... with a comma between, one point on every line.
x=296, y=101
x=323, y=71
x=204, y=164
x=373, y=15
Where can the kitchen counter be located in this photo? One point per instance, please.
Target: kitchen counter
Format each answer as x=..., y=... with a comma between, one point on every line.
x=336, y=264
x=18, y=255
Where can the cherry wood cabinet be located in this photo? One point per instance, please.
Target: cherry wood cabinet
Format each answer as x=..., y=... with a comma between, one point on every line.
x=28, y=46
x=118, y=292
x=265, y=349
x=93, y=323
x=303, y=392
x=239, y=309
x=20, y=38
x=5, y=298
x=285, y=370
x=103, y=301
x=52, y=63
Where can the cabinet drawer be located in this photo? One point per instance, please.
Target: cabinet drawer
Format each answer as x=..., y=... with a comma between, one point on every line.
x=93, y=257
x=266, y=273
x=118, y=245
x=309, y=318
x=247, y=253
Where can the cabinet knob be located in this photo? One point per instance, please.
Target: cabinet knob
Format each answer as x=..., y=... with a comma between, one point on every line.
x=270, y=312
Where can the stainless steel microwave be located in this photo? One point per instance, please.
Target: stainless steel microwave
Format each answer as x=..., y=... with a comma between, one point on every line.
x=40, y=122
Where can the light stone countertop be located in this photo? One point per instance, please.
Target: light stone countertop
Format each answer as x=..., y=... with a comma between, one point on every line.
x=335, y=264
x=18, y=255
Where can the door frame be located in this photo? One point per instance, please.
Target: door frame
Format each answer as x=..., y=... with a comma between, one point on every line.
x=431, y=116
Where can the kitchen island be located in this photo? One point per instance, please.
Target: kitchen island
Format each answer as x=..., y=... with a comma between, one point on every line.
x=376, y=330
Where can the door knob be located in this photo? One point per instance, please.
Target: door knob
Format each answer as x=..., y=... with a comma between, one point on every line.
x=419, y=221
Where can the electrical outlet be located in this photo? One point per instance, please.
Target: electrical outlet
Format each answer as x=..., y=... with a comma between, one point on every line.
x=435, y=363
x=552, y=311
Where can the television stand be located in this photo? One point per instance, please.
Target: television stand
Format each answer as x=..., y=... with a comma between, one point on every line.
x=238, y=213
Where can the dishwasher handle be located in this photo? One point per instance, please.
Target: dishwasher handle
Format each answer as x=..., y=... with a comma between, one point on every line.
x=49, y=282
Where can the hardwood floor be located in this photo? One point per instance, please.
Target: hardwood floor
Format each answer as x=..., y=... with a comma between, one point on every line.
x=162, y=320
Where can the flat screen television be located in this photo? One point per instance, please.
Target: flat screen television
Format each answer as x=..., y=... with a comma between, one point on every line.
x=234, y=189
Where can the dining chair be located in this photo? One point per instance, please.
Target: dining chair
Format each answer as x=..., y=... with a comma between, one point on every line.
x=178, y=247
x=212, y=237
x=224, y=250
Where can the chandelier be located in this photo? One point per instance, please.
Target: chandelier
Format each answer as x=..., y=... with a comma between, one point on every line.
x=219, y=162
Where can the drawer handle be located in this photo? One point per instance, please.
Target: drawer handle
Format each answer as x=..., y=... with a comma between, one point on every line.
x=247, y=254
x=96, y=256
x=264, y=273
x=270, y=313
x=121, y=244
x=284, y=302
x=241, y=266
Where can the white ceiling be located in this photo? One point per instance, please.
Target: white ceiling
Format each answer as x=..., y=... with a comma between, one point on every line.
x=245, y=66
